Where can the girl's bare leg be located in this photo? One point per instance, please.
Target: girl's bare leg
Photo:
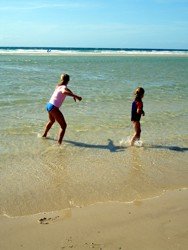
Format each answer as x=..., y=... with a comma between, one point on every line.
x=49, y=124
x=136, y=136
x=63, y=125
x=58, y=116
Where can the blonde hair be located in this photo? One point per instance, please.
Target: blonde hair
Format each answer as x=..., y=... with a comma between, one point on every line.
x=64, y=79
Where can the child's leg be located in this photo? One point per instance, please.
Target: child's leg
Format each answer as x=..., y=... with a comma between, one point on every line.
x=49, y=124
x=63, y=125
x=137, y=134
x=61, y=120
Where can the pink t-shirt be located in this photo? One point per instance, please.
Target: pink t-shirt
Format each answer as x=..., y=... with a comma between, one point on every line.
x=58, y=97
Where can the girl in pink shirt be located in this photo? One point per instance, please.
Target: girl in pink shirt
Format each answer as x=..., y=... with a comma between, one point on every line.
x=56, y=100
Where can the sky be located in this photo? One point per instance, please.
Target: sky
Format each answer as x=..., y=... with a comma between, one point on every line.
x=161, y=24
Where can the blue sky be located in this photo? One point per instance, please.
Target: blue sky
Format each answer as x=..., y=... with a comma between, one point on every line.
x=95, y=23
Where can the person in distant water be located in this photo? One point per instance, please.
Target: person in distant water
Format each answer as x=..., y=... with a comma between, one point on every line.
x=136, y=112
x=56, y=100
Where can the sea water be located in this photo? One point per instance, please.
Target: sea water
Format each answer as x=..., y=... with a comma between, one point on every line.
x=95, y=162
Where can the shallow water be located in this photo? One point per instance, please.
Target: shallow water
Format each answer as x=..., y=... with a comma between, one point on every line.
x=95, y=163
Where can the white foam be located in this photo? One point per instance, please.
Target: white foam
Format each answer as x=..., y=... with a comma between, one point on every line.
x=85, y=51
x=125, y=141
x=138, y=143
x=39, y=135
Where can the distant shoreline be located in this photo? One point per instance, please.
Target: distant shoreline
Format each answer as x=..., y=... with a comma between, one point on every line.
x=91, y=51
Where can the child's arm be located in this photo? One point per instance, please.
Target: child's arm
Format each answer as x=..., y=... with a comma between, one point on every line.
x=140, y=109
x=140, y=112
x=70, y=93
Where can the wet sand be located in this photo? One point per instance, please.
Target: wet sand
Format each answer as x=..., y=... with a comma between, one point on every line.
x=158, y=223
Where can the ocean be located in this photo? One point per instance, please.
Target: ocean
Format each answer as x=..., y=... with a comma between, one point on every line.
x=95, y=162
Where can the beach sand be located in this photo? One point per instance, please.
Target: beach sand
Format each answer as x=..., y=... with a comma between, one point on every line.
x=157, y=223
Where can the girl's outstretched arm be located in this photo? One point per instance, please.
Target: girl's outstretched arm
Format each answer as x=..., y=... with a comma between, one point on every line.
x=70, y=93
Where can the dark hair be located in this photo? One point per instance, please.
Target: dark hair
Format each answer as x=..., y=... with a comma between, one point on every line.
x=139, y=92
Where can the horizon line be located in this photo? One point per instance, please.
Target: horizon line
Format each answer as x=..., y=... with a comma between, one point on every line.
x=99, y=48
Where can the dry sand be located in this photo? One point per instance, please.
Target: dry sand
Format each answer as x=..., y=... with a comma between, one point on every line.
x=157, y=223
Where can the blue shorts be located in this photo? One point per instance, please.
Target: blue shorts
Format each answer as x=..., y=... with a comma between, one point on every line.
x=49, y=107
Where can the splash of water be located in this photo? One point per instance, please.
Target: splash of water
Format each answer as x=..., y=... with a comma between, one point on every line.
x=127, y=142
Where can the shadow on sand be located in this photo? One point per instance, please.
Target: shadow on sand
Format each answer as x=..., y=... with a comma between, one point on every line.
x=173, y=148
x=113, y=148
x=109, y=146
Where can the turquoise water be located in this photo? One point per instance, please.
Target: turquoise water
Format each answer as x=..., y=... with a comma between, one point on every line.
x=95, y=163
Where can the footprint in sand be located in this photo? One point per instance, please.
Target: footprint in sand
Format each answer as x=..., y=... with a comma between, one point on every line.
x=47, y=220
